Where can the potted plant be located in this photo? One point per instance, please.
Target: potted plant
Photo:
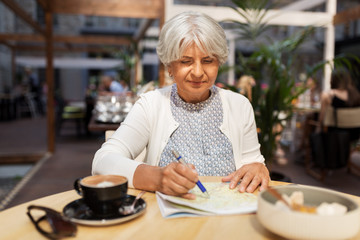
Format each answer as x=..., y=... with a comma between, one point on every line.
x=271, y=64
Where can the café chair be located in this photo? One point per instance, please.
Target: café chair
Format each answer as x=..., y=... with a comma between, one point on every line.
x=27, y=104
x=139, y=158
x=74, y=113
x=347, y=120
x=108, y=134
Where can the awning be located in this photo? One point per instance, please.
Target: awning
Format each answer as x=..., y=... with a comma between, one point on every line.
x=78, y=63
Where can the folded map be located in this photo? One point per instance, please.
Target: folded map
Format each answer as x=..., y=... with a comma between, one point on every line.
x=222, y=201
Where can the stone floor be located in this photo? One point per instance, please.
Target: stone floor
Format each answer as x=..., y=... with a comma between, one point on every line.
x=73, y=158
x=10, y=176
x=6, y=185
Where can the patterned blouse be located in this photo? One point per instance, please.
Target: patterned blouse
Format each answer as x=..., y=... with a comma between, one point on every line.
x=198, y=138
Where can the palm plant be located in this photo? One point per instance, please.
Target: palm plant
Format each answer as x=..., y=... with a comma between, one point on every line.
x=254, y=13
x=270, y=64
x=273, y=64
x=273, y=104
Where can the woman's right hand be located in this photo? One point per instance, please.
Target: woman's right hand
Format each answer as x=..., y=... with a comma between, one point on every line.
x=174, y=179
x=177, y=179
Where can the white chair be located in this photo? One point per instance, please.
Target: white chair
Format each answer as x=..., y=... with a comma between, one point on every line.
x=108, y=134
x=346, y=117
x=139, y=158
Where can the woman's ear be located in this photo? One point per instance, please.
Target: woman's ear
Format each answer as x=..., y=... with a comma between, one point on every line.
x=170, y=72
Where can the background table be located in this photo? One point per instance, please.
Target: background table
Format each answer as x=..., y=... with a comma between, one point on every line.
x=98, y=126
x=16, y=225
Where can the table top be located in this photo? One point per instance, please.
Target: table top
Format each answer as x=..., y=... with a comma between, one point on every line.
x=306, y=109
x=15, y=224
x=98, y=126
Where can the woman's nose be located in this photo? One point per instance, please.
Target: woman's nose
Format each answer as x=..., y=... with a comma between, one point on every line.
x=198, y=70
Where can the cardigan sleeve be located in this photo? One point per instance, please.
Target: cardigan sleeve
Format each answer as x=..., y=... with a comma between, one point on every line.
x=117, y=154
x=250, y=145
x=240, y=127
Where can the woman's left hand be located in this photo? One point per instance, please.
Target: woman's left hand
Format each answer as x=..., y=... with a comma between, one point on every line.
x=250, y=177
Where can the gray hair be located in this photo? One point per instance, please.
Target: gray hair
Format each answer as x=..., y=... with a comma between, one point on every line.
x=187, y=28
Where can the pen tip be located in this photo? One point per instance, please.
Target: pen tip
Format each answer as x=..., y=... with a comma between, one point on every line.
x=207, y=194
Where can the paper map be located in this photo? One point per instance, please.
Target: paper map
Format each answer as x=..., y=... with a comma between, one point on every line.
x=222, y=201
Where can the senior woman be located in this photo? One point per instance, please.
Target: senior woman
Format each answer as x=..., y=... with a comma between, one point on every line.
x=214, y=129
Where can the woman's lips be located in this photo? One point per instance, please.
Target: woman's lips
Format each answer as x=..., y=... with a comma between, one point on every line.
x=197, y=82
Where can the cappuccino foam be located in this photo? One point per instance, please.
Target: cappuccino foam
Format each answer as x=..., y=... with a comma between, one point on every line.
x=105, y=184
x=98, y=180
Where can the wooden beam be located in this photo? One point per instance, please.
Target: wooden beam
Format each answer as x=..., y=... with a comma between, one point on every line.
x=21, y=37
x=6, y=43
x=89, y=39
x=22, y=158
x=71, y=48
x=145, y=24
x=23, y=15
x=50, y=113
x=347, y=16
x=110, y=8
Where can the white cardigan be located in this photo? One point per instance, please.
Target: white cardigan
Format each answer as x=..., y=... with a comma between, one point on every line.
x=150, y=124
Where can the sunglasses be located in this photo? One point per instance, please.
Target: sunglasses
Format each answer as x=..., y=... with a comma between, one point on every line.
x=51, y=223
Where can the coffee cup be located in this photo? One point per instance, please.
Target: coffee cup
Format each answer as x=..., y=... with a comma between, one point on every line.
x=103, y=194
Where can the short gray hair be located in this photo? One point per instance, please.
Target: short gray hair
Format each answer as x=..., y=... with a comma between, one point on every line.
x=187, y=28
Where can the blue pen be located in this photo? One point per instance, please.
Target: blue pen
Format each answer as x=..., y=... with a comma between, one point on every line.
x=182, y=160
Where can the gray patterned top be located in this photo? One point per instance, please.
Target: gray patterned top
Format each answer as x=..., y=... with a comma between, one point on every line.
x=198, y=138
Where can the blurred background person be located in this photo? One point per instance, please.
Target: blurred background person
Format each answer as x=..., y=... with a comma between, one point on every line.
x=34, y=88
x=342, y=94
x=313, y=91
x=245, y=85
x=124, y=85
x=109, y=86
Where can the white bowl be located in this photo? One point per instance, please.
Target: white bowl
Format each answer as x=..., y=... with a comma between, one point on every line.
x=298, y=225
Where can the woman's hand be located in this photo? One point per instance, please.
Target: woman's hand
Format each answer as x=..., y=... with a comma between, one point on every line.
x=177, y=179
x=251, y=176
x=174, y=179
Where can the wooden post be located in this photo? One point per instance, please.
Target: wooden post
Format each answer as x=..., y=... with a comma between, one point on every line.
x=161, y=66
x=137, y=66
x=50, y=78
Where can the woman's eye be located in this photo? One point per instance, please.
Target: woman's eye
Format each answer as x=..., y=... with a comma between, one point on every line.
x=185, y=62
x=208, y=60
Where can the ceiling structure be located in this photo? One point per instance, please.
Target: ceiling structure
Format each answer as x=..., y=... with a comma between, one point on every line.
x=44, y=38
x=148, y=10
x=291, y=13
x=69, y=62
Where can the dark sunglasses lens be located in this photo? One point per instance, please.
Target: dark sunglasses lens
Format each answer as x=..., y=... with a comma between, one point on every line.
x=60, y=225
x=56, y=227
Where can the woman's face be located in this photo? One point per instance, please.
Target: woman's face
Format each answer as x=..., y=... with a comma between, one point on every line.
x=194, y=73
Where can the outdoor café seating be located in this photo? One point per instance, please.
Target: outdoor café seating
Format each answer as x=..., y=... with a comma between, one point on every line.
x=333, y=147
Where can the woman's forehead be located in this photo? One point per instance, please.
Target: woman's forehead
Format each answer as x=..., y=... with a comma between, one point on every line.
x=194, y=49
